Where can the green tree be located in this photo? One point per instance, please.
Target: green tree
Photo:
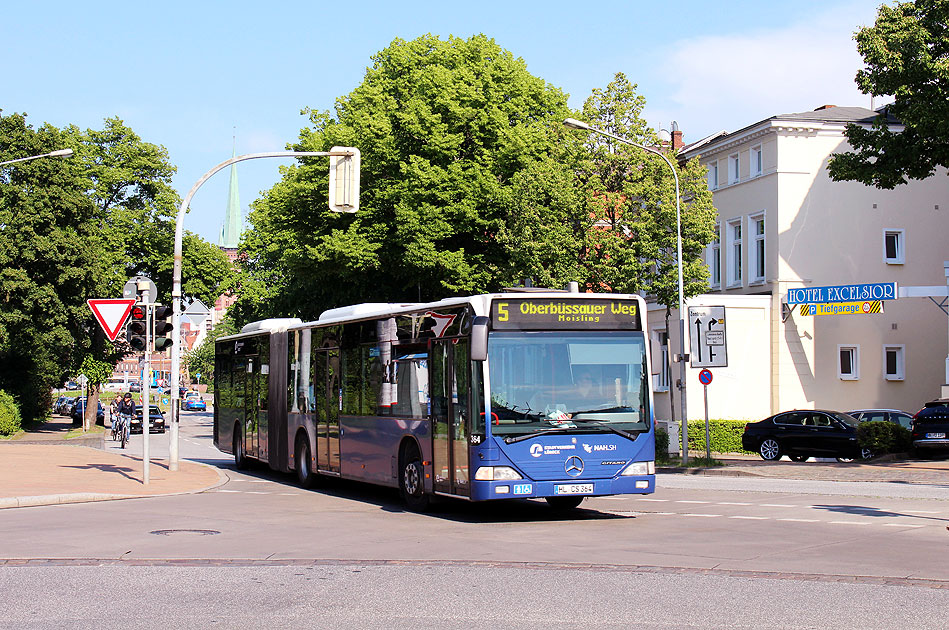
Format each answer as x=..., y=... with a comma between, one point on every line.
x=76, y=229
x=444, y=127
x=905, y=53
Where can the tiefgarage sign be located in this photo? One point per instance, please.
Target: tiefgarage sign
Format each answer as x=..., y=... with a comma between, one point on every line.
x=843, y=293
x=843, y=308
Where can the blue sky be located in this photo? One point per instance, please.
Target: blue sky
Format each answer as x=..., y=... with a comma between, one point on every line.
x=186, y=74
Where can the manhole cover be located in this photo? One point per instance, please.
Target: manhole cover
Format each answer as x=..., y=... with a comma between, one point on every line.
x=196, y=532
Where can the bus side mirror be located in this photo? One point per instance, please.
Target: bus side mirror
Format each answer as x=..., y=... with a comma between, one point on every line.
x=479, y=338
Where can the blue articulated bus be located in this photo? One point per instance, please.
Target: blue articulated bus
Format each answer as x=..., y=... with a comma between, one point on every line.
x=511, y=395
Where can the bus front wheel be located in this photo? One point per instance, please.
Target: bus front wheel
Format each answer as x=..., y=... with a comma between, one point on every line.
x=411, y=481
x=564, y=503
x=305, y=475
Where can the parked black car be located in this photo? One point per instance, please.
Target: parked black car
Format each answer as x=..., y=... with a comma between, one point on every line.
x=883, y=415
x=156, y=420
x=931, y=427
x=79, y=409
x=805, y=433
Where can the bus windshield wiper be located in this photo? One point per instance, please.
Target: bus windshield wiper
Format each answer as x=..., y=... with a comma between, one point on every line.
x=528, y=436
x=607, y=426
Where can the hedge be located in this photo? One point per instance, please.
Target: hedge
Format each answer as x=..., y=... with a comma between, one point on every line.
x=884, y=437
x=9, y=414
x=725, y=435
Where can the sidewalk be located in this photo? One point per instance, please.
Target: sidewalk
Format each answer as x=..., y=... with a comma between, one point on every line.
x=885, y=469
x=42, y=468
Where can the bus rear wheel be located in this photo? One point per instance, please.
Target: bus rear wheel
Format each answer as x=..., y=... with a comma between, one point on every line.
x=305, y=475
x=240, y=459
x=564, y=503
x=411, y=481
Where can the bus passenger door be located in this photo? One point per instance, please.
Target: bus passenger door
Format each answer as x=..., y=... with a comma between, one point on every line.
x=450, y=394
x=250, y=406
x=327, y=386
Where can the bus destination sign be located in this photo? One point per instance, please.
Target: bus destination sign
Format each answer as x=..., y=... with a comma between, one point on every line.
x=543, y=314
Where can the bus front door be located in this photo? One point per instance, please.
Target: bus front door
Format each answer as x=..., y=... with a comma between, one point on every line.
x=450, y=394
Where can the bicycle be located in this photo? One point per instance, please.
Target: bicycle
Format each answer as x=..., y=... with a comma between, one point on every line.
x=125, y=421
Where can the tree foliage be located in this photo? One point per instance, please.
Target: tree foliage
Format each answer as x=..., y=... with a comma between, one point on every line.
x=906, y=54
x=444, y=127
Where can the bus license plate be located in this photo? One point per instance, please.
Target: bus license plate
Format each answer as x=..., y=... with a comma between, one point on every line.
x=936, y=436
x=574, y=488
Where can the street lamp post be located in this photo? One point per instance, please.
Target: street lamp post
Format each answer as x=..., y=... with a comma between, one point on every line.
x=681, y=358
x=176, y=278
x=64, y=153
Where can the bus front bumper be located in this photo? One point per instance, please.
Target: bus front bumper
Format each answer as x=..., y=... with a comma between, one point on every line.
x=526, y=488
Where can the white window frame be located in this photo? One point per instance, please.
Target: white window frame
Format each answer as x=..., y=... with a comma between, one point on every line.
x=900, y=254
x=759, y=250
x=733, y=169
x=755, y=161
x=900, y=351
x=663, y=378
x=714, y=259
x=735, y=253
x=713, y=175
x=854, y=350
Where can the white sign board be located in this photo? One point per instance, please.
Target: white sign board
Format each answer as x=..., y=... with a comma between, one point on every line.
x=707, y=331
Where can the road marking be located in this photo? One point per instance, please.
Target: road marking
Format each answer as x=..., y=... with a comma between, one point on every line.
x=256, y=492
x=777, y=505
x=228, y=491
x=900, y=525
x=654, y=500
x=799, y=520
x=683, y=501
x=921, y=512
x=847, y=523
x=732, y=503
x=752, y=518
x=702, y=515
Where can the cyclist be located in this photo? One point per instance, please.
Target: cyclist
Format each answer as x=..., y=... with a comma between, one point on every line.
x=114, y=415
x=126, y=410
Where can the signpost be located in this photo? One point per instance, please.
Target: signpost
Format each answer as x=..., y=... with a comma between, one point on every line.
x=707, y=328
x=705, y=378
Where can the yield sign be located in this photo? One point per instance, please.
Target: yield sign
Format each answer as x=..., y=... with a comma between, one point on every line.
x=111, y=314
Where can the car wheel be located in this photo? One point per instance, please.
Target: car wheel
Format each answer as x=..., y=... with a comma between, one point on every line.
x=845, y=460
x=411, y=481
x=564, y=503
x=305, y=475
x=770, y=450
x=798, y=458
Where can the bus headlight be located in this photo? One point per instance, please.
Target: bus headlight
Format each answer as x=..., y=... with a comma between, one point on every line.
x=639, y=468
x=497, y=473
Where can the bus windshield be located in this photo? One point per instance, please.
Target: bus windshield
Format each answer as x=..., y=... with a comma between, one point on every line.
x=568, y=381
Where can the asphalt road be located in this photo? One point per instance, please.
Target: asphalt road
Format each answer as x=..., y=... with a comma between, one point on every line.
x=700, y=553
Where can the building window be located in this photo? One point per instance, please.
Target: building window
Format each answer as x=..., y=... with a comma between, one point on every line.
x=713, y=175
x=755, y=161
x=715, y=259
x=894, y=246
x=734, y=253
x=662, y=379
x=733, y=169
x=757, y=227
x=893, y=367
x=848, y=362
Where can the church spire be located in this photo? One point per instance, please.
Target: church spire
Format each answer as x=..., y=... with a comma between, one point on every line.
x=233, y=220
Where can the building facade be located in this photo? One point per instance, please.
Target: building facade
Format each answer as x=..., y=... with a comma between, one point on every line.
x=784, y=224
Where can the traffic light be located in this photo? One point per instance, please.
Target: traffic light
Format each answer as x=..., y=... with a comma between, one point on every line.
x=137, y=331
x=163, y=328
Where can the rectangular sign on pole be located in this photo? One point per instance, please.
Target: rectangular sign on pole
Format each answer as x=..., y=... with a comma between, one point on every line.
x=843, y=293
x=707, y=332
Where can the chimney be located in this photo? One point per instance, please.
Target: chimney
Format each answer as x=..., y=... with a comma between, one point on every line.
x=677, y=140
x=824, y=107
